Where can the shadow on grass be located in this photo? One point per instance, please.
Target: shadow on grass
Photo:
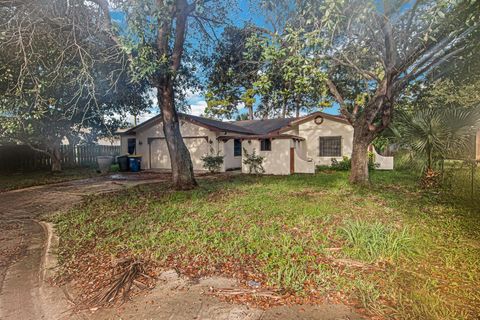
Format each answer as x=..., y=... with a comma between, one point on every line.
x=19, y=180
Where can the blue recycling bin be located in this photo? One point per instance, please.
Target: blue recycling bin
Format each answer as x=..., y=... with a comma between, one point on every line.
x=135, y=163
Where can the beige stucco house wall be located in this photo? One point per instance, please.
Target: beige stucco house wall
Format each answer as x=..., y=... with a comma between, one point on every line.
x=276, y=161
x=200, y=141
x=312, y=132
x=124, y=143
x=295, y=143
x=302, y=163
x=151, y=145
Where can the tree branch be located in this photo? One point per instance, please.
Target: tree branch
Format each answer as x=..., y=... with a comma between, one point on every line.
x=343, y=107
x=182, y=13
x=364, y=73
x=390, y=47
x=107, y=20
x=165, y=26
x=433, y=63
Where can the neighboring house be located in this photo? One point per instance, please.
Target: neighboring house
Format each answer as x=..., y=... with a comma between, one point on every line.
x=290, y=145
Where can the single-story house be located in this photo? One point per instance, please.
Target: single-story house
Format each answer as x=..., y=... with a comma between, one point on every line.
x=288, y=145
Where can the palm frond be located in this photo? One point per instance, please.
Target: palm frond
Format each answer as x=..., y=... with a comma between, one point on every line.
x=437, y=133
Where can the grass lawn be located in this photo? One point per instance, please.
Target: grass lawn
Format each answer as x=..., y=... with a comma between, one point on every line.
x=390, y=249
x=12, y=181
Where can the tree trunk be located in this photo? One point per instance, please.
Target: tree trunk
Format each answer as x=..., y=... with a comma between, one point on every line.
x=362, y=138
x=429, y=159
x=56, y=158
x=297, y=106
x=250, y=111
x=182, y=168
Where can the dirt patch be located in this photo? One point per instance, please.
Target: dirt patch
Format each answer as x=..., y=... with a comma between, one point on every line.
x=94, y=272
x=11, y=244
x=176, y=297
x=97, y=280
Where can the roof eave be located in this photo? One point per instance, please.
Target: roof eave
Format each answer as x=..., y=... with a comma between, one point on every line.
x=184, y=117
x=311, y=116
x=260, y=137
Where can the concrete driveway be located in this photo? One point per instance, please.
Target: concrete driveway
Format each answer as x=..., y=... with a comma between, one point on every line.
x=24, y=294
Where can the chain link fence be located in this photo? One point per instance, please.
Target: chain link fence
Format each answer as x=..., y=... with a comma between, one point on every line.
x=461, y=179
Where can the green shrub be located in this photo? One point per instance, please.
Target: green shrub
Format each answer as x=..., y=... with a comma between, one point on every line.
x=346, y=164
x=343, y=165
x=322, y=167
x=253, y=161
x=371, y=161
x=212, y=162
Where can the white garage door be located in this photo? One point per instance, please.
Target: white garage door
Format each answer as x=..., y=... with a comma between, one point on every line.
x=160, y=158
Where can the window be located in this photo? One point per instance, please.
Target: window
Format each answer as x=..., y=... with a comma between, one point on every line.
x=132, y=145
x=237, y=148
x=330, y=146
x=265, y=145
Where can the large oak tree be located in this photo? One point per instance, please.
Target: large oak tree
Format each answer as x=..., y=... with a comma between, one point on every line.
x=59, y=75
x=156, y=36
x=372, y=50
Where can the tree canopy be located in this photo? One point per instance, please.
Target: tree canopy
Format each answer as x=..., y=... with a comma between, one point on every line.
x=232, y=71
x=60, y=74
x=159, y=40
x=372, y=51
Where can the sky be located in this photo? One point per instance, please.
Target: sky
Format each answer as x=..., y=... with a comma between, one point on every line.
x=239, y=16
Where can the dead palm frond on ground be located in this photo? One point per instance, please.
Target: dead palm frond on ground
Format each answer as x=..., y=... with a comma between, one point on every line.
x=119, y=289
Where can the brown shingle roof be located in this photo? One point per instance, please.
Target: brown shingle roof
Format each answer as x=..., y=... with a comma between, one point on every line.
x=246, y=127
x=264, y=126
x=205, y=122
x=220, y=125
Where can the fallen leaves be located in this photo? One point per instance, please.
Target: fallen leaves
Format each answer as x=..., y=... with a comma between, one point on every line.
x=263, y=293
x=100, y=280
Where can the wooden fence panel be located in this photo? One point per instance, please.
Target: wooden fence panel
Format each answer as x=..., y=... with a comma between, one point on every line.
x=23, y=158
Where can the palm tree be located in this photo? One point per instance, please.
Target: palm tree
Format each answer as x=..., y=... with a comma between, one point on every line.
x=432, y=134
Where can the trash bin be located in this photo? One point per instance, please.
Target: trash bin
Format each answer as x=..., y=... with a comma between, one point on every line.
x=104, y=163
x=135, y=163
x=123, y=163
